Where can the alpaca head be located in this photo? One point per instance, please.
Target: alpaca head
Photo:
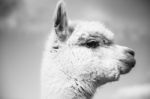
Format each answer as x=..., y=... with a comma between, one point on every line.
x=80, y=56
x=88, y=51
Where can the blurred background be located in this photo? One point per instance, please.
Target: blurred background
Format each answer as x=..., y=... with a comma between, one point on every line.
x=25, y=25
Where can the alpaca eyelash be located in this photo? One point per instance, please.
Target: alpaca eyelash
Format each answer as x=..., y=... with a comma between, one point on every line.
x=92, y=44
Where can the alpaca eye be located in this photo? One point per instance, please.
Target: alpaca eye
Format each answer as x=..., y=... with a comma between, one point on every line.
x=92, y=44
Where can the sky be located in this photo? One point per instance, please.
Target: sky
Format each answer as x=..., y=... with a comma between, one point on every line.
x=25, y=25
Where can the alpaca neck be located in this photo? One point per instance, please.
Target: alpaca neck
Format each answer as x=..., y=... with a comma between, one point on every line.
x=61, y=88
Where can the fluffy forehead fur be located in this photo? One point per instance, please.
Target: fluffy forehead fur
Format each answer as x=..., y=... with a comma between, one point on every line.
x=87, y=29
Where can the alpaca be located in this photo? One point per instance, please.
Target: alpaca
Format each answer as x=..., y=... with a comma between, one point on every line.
x=80, y=56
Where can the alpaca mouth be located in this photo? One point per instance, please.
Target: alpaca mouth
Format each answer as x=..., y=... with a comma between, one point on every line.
x=128, y=64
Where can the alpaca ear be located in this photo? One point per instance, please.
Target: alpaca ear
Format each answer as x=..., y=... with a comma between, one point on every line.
x=61, y=21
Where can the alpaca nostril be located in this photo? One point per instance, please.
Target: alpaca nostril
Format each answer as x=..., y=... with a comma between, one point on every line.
x=131, y=52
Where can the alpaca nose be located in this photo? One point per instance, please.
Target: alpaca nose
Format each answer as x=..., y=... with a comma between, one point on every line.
x=131, y=52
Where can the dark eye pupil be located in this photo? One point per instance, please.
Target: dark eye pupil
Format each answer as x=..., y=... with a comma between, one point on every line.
x=92, y=44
